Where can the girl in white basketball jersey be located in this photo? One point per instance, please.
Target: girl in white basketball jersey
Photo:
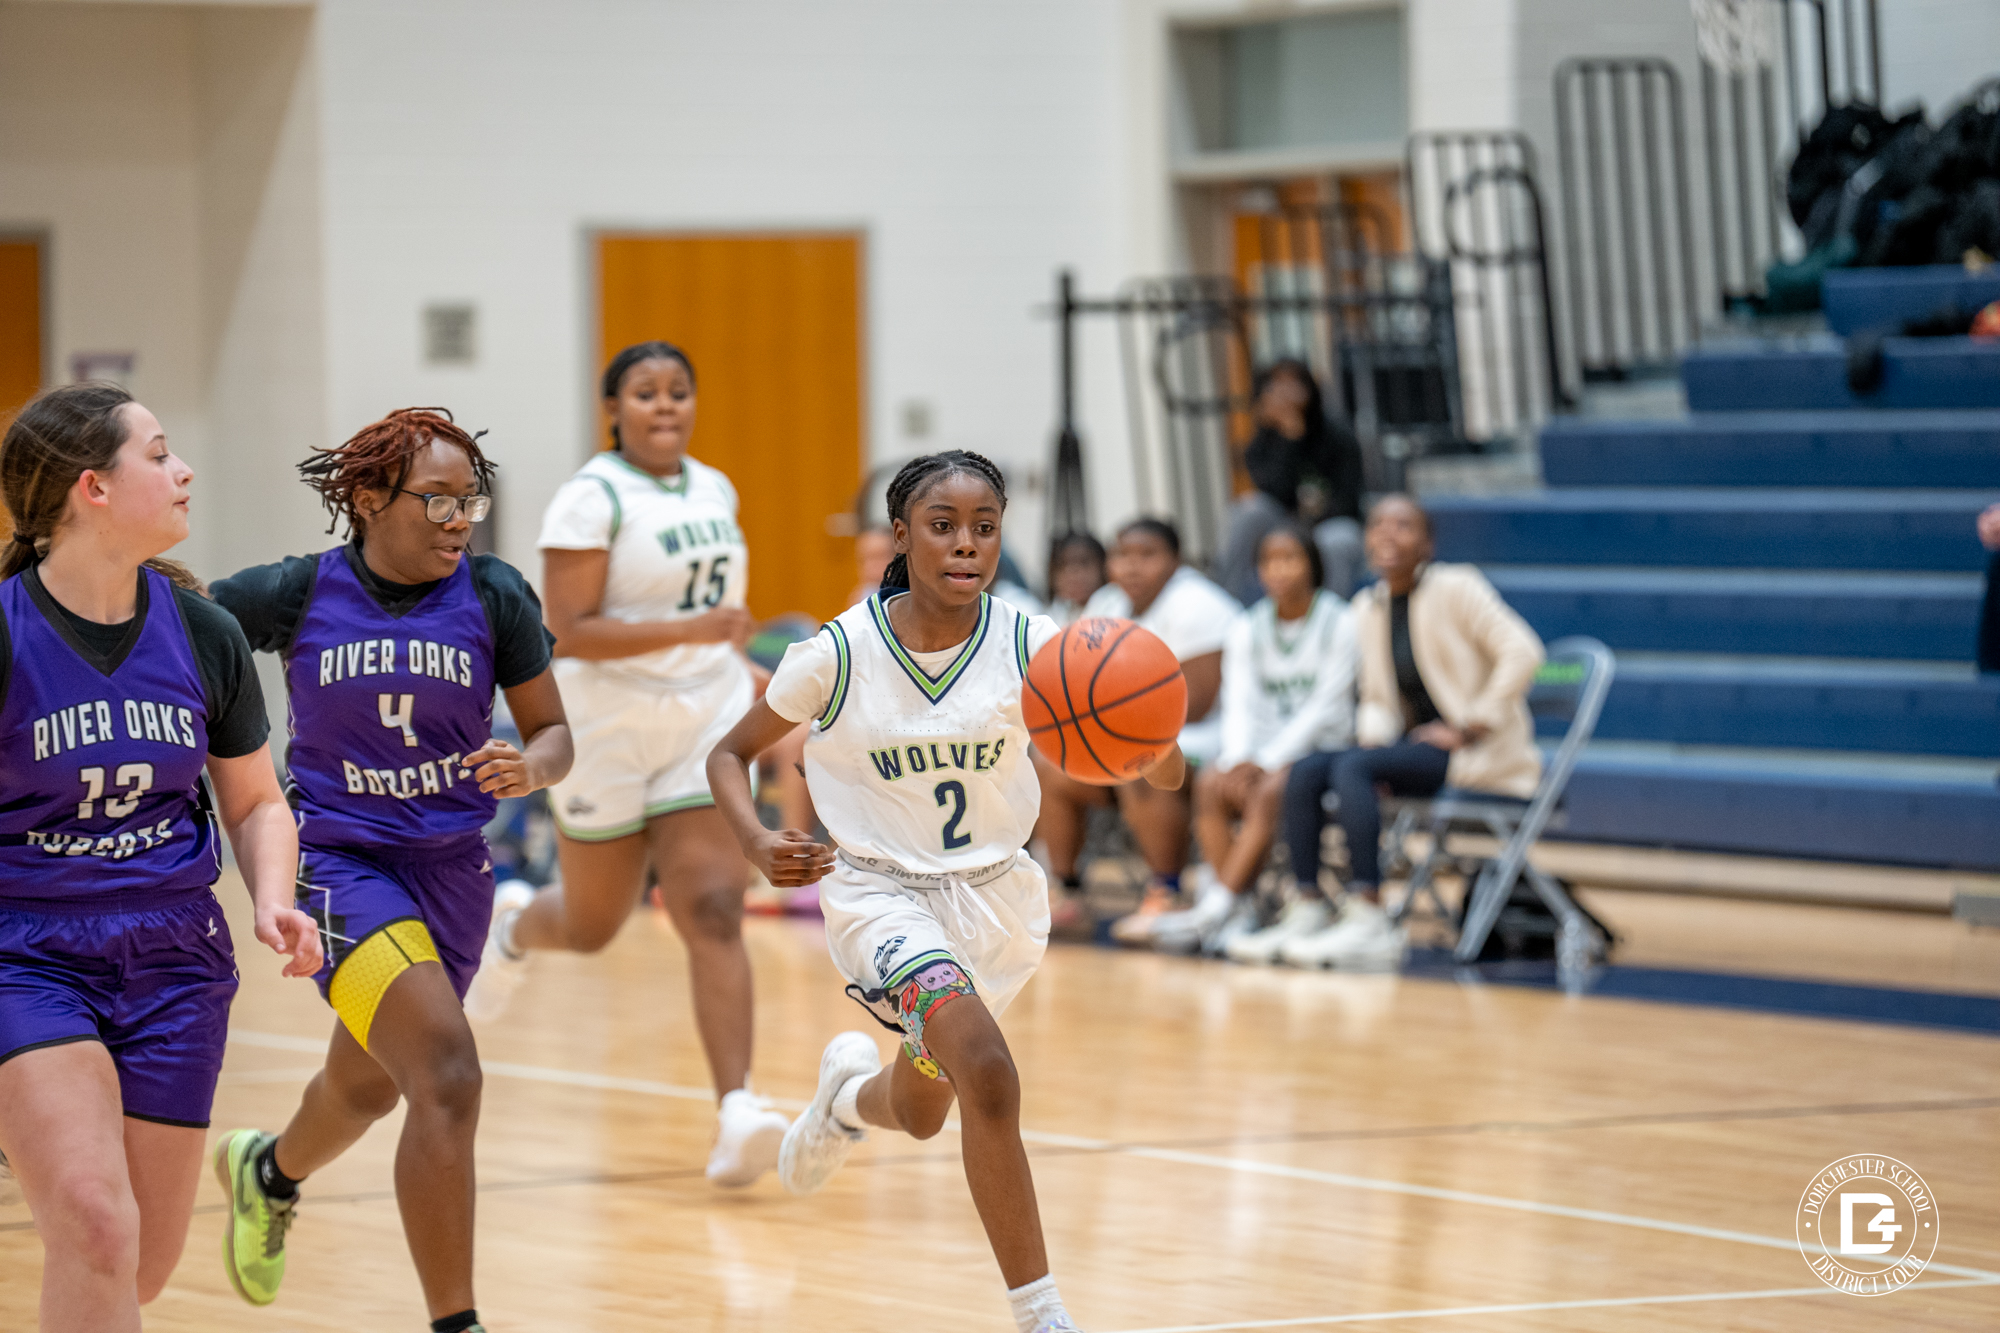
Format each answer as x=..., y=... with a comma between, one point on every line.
x=643, y=583
x=917, y=761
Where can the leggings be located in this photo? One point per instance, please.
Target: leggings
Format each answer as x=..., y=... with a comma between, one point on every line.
x=1406, y=768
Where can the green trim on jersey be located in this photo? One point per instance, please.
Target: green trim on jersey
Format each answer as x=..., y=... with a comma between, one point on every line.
x=845, y=657
x=1304, y=623
x=617, y=509
x=934, y=688
x=1021, y=643
x=677, y=486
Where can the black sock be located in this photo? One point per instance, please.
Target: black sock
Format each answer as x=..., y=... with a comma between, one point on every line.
x=1072, y=884
x=455, y=1323
x=275, y=1183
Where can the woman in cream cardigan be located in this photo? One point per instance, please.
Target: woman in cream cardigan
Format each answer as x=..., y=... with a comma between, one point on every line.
x=1445, y=671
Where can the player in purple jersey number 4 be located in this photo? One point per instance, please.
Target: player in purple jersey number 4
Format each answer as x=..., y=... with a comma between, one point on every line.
x=115, y=965
x=391, y=658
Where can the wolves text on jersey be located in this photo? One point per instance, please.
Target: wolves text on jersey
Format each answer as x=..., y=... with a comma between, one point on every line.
x=935, y=756
x=377, y=657
x=1288, y=692
x=701, y=532
x=90, y=723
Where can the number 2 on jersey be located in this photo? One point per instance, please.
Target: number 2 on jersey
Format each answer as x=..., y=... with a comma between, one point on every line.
x=955, y=793
x=718, y=583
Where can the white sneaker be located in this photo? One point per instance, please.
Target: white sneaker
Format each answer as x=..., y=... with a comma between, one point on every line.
x=816, y=1144
x=747, y=1136
x=1183, y=932
x=1245, y=917
x=1363, y=938
x=500, y=973
x=1302, y=917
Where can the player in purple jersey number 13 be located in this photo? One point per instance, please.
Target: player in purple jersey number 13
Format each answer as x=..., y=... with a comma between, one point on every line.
x=115, y=964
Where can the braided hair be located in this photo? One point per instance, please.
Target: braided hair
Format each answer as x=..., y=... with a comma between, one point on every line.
x=614, y=374
x=919, y=475
x=378, y=457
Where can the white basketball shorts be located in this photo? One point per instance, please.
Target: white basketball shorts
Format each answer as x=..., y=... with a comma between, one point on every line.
x=888, y=939
x=641, y=746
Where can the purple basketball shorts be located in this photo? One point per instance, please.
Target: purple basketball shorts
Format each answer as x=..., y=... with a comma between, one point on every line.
x=358, y=894
x=152, y=984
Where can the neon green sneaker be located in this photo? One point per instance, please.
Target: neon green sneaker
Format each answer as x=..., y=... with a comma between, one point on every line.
x=253, y=1239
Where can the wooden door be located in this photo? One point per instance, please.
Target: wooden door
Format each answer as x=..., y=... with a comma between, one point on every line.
x=20, y=324
x=772, y=323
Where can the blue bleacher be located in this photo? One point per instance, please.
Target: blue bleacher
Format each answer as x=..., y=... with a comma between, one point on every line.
x=1766, y=528
x=1929, y=617
x=1793, y=588
x=1930, y=708
x=1856, y=299
x=1809, y=374
x=1841, y=448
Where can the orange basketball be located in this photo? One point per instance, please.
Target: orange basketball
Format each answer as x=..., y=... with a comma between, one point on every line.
x=1104, y=699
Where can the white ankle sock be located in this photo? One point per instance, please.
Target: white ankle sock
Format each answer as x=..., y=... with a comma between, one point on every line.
x=846, y=1108
x=1036, y=1304
x=507, y=924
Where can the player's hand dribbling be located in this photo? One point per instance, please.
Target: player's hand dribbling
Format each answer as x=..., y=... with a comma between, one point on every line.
x=500, y=769
x=790, y=859
x=725, y=624
x=1168, y=772
x=289, y=931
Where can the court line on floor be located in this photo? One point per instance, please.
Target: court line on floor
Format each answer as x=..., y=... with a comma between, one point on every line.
x=1538, y=1307
x=531, y=1073
x=1370, y=1183
x=1241, y=1165
x=1636, y=1121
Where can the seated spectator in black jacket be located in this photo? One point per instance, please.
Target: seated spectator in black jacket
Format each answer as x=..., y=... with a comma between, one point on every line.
x=1307, y=470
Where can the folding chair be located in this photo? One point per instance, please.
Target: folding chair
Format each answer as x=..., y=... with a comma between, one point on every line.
x=1571, y=686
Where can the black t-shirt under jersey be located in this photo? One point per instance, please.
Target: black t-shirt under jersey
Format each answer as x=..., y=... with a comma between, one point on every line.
x=269, y=601
x=237, y=724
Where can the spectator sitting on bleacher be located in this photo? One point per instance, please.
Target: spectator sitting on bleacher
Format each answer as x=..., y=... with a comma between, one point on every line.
x=1149, y=584
x=1445, y=671
x=1076, y=572
x=1989, y=606
x=1306, y=468
x=1287, y=691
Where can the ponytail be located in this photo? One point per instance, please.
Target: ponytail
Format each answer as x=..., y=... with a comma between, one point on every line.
x=896, y=578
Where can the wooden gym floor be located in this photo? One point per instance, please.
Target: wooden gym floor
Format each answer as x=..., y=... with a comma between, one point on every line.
x=1215, y=1147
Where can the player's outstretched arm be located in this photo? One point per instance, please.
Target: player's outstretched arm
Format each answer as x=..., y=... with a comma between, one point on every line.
x=789, y=858
x=1167, y=772
x=502, y=770
x=265, y=835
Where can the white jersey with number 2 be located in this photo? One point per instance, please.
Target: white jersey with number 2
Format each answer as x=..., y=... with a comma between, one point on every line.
x=917, y=759
x=675, y=548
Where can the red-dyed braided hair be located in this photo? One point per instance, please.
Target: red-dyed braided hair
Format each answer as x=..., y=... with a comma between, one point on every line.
x=378, y=457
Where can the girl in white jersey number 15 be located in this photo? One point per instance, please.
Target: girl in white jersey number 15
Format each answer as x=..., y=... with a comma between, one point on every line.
x=916, y=760
x=644, y=582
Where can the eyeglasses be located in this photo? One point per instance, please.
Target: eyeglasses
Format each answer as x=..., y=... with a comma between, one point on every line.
x=445, y=508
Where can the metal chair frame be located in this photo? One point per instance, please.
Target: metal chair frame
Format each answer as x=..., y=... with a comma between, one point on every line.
x=1516, y=825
